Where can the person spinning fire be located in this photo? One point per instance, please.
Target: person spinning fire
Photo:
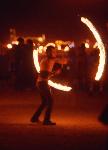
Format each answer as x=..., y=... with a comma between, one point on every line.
x=46, y=67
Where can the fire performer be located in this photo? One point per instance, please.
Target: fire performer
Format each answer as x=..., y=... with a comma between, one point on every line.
x=46, y=67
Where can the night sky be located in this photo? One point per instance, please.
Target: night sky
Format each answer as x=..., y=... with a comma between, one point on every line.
x=59, y=19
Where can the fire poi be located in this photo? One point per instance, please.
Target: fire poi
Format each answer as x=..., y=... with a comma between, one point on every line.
x=51, y=83
x=102, y=56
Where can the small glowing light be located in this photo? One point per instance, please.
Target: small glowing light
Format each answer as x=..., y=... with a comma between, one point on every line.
x=72, y=45
x=101, y=47
x=9, y=46
x=34, y=44
x=40, y=49
x=40, y=39
x=59, y=47
x=59, y=42
x=15, y=42
x=87, y=45
x=68, y=67
x=66, y=49
x=95, y=45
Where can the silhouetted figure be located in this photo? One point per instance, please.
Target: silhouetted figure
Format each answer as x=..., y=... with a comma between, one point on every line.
x=46, y=67
x=103, y=117
x=28, y=64
x=19, y=55
x=82, y=67
x=93, y=67
x=4, y=70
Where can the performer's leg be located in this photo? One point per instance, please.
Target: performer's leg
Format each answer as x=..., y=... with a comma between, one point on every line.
x=42, y=90
x=35, y=117
x=49, y=107
x=47, y=119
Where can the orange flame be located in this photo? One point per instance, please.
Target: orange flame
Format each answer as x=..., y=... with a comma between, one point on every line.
x=101, y=47
x=36, y=62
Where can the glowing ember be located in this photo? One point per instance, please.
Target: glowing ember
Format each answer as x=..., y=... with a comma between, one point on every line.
x=100, y=46
x=55, y=85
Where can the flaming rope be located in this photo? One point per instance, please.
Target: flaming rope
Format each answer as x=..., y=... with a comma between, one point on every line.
x=100, y=46
x=55, y=85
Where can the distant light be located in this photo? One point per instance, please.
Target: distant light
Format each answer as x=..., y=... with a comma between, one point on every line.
x=9, y=46
x=15, y=42
x=59, y=47
x=40, y=49
x=40, y=39
x=72, y=45
x=95, y=45
x=87, y=45
x=34, y=44
x=68, y=67
x=66, y=49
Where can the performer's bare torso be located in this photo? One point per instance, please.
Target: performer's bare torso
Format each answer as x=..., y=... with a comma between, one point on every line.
x=46, y=64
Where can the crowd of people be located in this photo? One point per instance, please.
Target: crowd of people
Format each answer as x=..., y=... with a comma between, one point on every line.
x=17, y=68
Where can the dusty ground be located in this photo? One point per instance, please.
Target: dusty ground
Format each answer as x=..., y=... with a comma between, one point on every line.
x=76, y=115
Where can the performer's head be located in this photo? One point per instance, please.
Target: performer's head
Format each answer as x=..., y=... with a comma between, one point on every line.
x=51, y=52
x=20, y=40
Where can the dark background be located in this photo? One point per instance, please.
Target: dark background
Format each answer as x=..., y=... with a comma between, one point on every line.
x=57, y=19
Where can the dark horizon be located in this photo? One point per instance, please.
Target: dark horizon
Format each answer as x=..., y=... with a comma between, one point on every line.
x=56, y=19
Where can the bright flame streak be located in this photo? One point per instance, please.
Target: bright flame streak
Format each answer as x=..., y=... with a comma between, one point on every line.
x=59, y=86
x=55, y=85
x=100, y=46
x=36, y=62
x=50, y=44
